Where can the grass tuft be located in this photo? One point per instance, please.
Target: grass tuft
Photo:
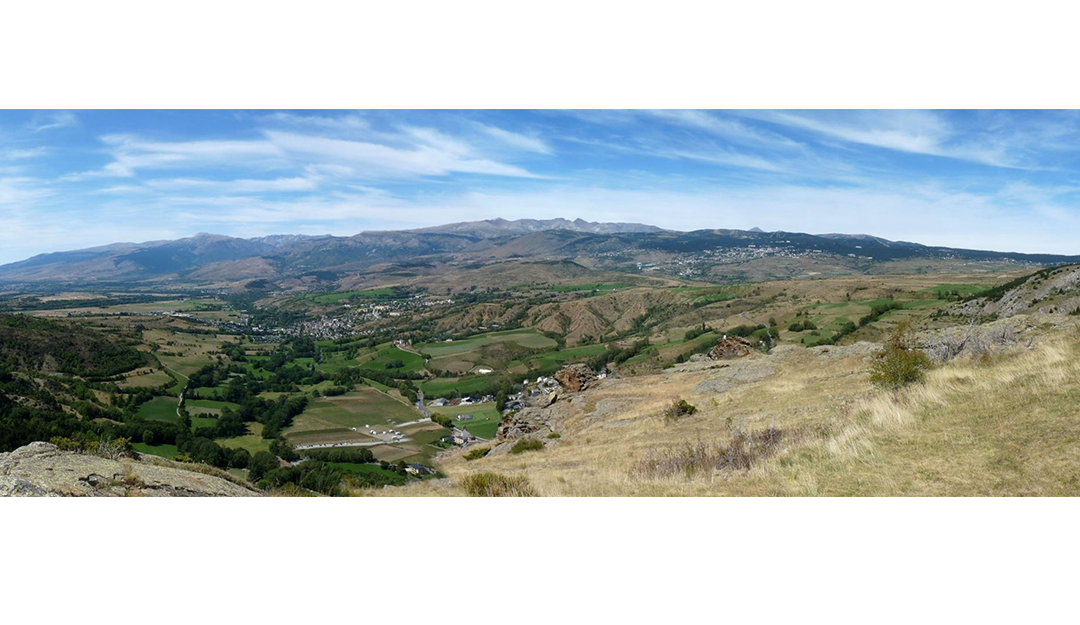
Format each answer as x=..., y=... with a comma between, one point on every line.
x=497, y=485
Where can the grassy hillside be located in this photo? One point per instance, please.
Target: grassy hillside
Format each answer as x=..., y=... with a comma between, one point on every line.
x=808, y=422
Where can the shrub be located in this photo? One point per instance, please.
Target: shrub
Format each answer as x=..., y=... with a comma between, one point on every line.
x=527, y=444
x=678, y=409
x=496, y=485
x=742, y=452
x=899, y=363
x=554, y=435
x=477, y=453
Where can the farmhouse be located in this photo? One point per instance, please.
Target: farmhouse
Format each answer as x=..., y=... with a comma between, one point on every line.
x=419, y=469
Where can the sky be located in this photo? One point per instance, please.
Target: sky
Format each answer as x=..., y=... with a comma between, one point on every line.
x=1001, y=180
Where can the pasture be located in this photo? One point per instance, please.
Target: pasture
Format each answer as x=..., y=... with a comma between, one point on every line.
x=485, y=419
x=525, y=338
x=145, y=377
x=567, y=288
x=368, y=295
x=186, y=353
x=331, y=419
x=160, y=409
x=441, y=387
x=163, y=451
x=208, y=406
x=389, y=355
x=253, y=442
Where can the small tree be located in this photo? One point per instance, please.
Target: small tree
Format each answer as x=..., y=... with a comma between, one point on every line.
x=899, y=363
x=678, y=408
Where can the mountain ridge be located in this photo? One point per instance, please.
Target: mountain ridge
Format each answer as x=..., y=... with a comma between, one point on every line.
x=226, y=258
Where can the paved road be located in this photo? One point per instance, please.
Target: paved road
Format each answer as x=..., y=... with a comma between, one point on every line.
x=355, y=444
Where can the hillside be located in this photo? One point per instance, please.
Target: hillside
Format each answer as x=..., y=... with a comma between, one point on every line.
x=808, y=422
x=1049, y=290
x=53, y=346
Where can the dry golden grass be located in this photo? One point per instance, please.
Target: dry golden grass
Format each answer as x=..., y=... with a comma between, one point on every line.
x=1003, y=425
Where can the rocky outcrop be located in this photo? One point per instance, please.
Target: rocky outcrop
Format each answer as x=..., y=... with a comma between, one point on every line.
x=730, y=347
x=546, y=399
x=575, y=378
x=523, y=423
x=43, y=470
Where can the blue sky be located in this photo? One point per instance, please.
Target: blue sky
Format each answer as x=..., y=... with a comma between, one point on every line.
x=1003, y=180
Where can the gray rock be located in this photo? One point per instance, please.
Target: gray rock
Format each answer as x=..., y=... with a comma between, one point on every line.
x=42, y=469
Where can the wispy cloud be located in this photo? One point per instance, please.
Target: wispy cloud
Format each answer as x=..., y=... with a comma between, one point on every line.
x=15, y=154
x=241, y=186
x=333, y=122
x=132, y=153
x=517, y=140
x=21, y=192
x=431, y=154
x=723, y=126
x=916, y=132
x=52, y=120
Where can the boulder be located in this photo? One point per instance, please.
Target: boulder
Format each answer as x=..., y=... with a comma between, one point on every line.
x=546, y=399
x=575, y=378
x=730, y=347
x=523, y=423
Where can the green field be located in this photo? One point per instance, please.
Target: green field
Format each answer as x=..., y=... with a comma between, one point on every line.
x=145, y=378
x=253, y=442
x=347, y=296
x=366, y=406
x=165, y=451
x=963, y=290
x=524, y=338
x=485, y=418
x=208, y=406
x=464, y=386
x=186, y=353
x=563, y=355
x=202, y=422
x=332, y=362
x=160, y=409
x=588, y=287
x=379, y=385
x=412, y=362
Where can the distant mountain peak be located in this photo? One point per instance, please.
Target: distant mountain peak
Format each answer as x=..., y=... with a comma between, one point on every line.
x=755, y=229
x=499, y=227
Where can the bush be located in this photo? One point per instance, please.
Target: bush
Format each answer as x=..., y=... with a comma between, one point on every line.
x=554, y=435
x=260, y=464
x=477, y=453
x=496, y=485
x=677, y=409
x=899, y=363
x=527, y=444
x=741, y=453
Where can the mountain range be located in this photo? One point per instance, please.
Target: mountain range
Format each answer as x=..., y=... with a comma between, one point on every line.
x=216, y=259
